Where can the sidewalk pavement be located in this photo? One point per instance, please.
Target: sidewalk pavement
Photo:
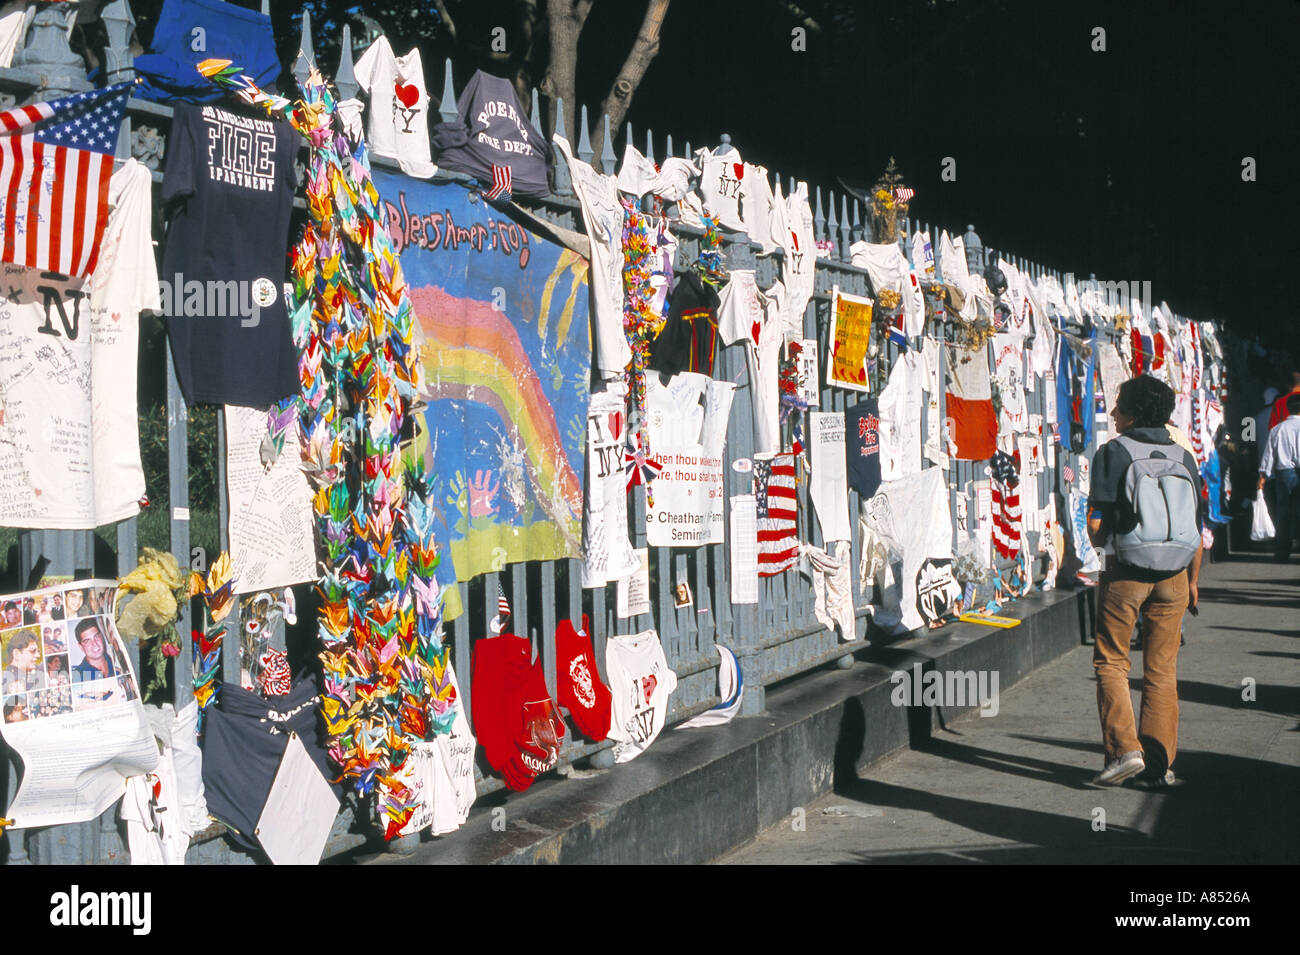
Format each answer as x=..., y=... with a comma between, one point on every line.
x=1015, y=787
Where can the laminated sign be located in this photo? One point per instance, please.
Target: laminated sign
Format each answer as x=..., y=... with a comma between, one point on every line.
x=507, y=358
x=687, y=422
x=72, y=708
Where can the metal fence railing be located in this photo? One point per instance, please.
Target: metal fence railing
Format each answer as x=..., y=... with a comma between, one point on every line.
x=776, y=639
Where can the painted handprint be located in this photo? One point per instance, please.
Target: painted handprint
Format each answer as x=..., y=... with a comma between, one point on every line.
x=482, y=492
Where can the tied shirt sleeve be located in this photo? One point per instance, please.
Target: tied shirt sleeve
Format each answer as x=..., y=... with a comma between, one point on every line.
x=182, y=157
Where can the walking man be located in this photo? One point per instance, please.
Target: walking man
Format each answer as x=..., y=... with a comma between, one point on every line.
x=1281, y=461
x=1145, y=505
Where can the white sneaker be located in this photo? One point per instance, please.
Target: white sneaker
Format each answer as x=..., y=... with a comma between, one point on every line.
x=1130, y=764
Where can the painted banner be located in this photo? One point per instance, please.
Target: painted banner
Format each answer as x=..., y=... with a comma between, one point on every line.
x=687, y=422
x=507, y=361
x=849, y=340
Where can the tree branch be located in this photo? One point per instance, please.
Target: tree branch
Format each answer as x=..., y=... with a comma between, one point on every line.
x=798, y=13
x=629, y=77
x=447, y=21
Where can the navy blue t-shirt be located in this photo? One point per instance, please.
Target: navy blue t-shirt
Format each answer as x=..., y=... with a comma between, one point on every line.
x=862, y=446
x=230, y=184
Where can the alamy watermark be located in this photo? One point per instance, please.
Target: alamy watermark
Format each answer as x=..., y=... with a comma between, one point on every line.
x=241, y=299
x=75, y=907
x=953, y=688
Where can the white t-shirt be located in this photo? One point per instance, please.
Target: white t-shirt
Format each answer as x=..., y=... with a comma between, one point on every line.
x=640, y=683
x=798, y=270
x=754, y=317
x=602, y=214
x=723, y=186
x=674, y=181
x=453, y=779
x=607, y=552
x=756, y=208
x=69, y=430
x=888, y=268
x=399, y=107
x=900, y=418
x=637, y=175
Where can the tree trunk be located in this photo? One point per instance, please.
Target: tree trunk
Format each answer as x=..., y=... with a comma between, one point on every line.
x=629, y=77
x=566, y=18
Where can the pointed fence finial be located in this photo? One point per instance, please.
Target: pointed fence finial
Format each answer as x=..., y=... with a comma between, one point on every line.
x=846, y=237
x=536, y=118
x=447, y=108
x=650, y=145
x=346, y=79
x=668, y=146
x=585, y=152
x=607, y=158
x=819, y=219
x=302, y=66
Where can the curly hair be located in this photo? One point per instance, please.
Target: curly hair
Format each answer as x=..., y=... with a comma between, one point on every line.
x=1148, y=401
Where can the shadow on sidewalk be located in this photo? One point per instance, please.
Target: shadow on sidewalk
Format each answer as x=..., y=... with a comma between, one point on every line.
x=1271, y=633
x=1269, y=698
x=1229, y=809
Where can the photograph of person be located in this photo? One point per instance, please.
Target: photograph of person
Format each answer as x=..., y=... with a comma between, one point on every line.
x=682, y=595
x=54, y=638
x=23, y=671
x=30, y=614
x=15, y=708
x=91, y=646
x=74, y=603
x=12, y=613
x=56, y=671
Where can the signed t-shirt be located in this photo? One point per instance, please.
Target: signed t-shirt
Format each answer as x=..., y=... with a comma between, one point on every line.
x=862, y=446
x=640, y=683
x=230, y=182
x=398, y=120
x=69, y=436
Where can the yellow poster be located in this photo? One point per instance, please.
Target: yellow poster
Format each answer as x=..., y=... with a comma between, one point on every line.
x=850, y=336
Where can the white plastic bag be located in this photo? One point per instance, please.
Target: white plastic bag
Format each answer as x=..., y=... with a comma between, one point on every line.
x=1261, y=525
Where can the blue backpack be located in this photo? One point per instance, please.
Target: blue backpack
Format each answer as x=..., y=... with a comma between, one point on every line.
x=1162, y=494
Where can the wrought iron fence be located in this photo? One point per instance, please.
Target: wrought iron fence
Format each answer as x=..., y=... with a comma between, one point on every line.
x=775, y=639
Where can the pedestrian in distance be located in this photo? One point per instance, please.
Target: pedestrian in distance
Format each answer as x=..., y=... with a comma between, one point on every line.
x=1281, y=462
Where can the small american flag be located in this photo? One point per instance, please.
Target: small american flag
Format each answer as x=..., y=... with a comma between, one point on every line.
x=54, y=179
x=503, y=605
x=500, y=183
x=1068, y=473
x=777, y=506
x=903, y=194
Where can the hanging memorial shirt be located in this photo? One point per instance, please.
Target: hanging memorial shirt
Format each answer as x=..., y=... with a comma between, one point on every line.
x=398, y=121
x=900, y=418
x=230, y=180
x=792, y=230
x=494, y=131
x=862, y=449
x=227, y=30
x=689, y=338
x=830, y=488
x=602, y=215
x=640, y=683
x=754, y=317
x=69, y=429
x=607, y=552
x=507, y=360
x=723, y=185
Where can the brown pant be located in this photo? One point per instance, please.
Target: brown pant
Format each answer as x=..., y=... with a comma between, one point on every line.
x=1160, y=606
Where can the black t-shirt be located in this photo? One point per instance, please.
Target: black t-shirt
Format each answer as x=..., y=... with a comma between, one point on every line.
x=862, y=446
x=689, y=337
x=1106, y=494
x=230, y=180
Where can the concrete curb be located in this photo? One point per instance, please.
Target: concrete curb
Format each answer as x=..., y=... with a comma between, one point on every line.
x=698, y=793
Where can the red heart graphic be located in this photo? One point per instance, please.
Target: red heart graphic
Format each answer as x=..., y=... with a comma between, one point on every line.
x=407, y=94
x=755, y=330
x=616, y=424
x=794, y=237
x=739, y=169
x=648, y=685
x=117, y=316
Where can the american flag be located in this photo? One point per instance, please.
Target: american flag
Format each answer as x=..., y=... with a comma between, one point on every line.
x=55, y=163
x=778, y=541
x=500, y=183
x=503, y=605
x=1068, y=473
x=903, y=194
x=1007, y=522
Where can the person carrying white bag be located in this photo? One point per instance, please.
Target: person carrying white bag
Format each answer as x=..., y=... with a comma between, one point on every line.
x=1281, y=461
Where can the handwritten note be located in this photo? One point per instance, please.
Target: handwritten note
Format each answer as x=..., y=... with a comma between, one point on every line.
x=270, y=510
x=850, y=338
x=744, y=549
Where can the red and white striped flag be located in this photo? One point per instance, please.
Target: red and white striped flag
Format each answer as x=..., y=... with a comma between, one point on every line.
x=500, y=183
x=503, y=605
x=777, y=506
x=55, y=162
x=903, y=194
